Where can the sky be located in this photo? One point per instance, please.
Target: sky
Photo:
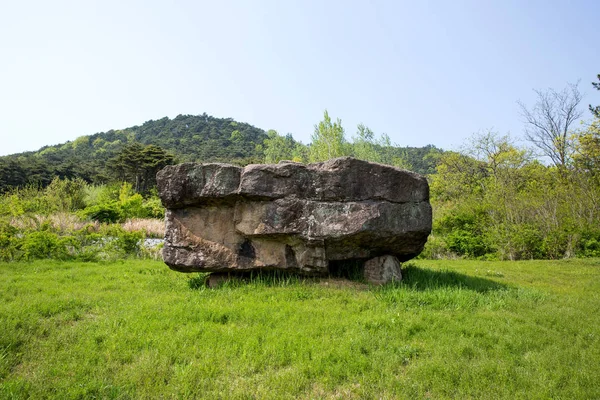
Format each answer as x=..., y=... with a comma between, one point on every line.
x=423, y=72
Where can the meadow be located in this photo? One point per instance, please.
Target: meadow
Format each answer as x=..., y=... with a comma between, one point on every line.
x=133, y=329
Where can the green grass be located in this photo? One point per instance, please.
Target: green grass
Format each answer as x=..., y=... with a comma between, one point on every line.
x=452, y=329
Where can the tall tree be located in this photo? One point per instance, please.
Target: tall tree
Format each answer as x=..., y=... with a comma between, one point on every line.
x=548, y=123
x=328, y=140
x=363, y=145
x=138, y=164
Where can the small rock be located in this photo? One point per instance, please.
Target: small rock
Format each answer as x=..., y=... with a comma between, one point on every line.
x=217, y=279
x=382, y=270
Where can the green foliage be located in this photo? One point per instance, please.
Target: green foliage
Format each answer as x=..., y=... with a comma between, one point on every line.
x=8, y=241
x=464, y=232
x=30, y=199
x=90, y=243
x=596, y=110
x=139, y=164
x=517, y=241
x=366, y=147
x=328, y=140
x=363, y=145
x=44, y=244
x=121, y=242
x=118, y=203
x=66, y=194
x=589, y=243
x=492, y=200
x=587, y=154
x=189, y=137
x=104, y=213
x=152, y=206
x=278, y=148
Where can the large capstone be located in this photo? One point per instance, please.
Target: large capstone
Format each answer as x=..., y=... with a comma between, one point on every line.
x=290, y=216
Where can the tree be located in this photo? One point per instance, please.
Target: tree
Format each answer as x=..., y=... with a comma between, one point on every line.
x=587, y=156
x=363, y=145
x=548, y=123
x=139, y=164
x=498, y=152
x=596, y=110
x=328, y=140
x=154, y=159
x=278, y=148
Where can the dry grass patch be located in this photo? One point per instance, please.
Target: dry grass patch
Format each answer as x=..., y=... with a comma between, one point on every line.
x=154, y=228
x=61, y=222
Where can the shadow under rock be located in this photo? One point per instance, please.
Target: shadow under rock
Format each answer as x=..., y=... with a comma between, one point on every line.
x=425, y=279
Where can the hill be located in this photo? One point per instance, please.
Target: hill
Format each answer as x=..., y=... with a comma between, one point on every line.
x=200, y=138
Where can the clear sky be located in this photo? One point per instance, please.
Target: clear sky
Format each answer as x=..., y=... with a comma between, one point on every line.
x=424, y=72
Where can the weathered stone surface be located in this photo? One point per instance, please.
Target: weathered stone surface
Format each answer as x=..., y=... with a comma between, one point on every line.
x=187, y=184
x=382, y=270
x=291, y=216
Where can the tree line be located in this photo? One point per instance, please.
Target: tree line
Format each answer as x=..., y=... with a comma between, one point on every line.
x=496, y=199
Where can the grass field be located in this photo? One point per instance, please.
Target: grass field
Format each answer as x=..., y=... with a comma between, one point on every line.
x=452, y=329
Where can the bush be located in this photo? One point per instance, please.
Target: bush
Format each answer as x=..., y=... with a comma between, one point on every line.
x=44, y=244
x=117, y=207
x=104, y=213
x=66, y=194
x=8, y=241
x=556, y=244
x=120, y=242
x=466, y=243
x=517, y=241
x=588, y=244
x=463, y=232
x=27, y=200
x=153, y=208
x=435, y=248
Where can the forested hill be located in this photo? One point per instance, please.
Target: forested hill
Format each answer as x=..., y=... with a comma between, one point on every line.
x=200, y=138
x=135, y=154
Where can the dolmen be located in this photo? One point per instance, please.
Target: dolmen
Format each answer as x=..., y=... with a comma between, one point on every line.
x=304, y=219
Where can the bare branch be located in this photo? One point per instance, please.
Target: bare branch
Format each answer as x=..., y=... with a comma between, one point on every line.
x=548, y=123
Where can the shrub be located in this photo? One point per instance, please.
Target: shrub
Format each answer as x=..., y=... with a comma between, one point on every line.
x=45, y=244
x=117, y=207
x=66, y=194
x=120, y=242
x=27, y=200
x=556, y=244
x=153, y=208
x=588, y=244
x=462, y=232
x=466, y=243
x=8, y=241
x=104, y=213
x=435, y=248
x=517, y=241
